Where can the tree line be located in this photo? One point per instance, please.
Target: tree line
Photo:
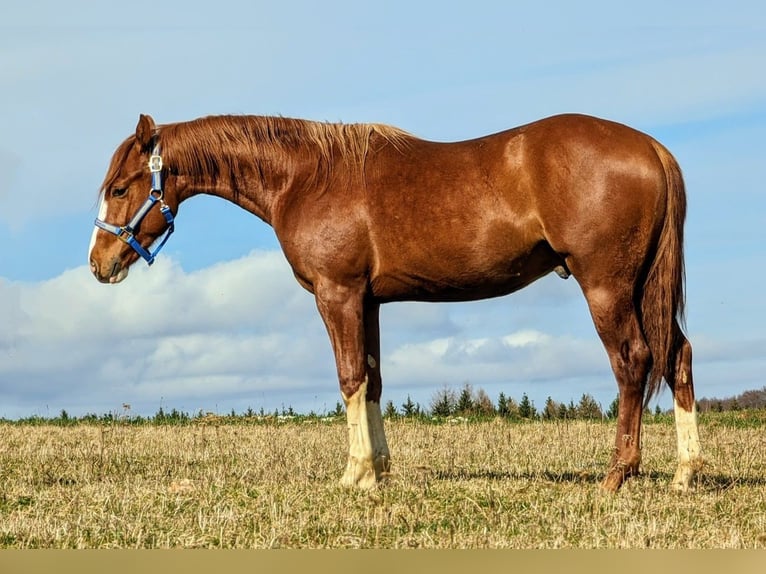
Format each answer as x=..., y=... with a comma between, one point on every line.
x=447, y=402
x=755, y=399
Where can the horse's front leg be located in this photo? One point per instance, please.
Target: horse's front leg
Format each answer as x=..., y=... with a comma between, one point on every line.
x=343, y=310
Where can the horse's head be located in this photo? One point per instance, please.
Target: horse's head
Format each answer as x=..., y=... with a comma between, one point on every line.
x=136, y=208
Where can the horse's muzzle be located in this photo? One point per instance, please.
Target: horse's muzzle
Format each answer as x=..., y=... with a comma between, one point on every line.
x=113, y=273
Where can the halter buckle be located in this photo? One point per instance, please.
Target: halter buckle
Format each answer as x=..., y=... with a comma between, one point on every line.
x=155, y=163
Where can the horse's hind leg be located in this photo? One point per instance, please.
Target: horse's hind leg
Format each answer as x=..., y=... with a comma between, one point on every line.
x=680, y=381
x=616, y=321
x=380, y=454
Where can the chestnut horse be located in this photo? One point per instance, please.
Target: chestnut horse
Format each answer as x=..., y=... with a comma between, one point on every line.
x=367, y=214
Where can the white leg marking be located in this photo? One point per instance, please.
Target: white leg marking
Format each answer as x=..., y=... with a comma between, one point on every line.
x=101, y=216
x=689, y=449
x=368, y=456
x=359, y=469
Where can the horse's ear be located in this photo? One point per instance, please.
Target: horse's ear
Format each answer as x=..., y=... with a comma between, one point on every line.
x=145, y=130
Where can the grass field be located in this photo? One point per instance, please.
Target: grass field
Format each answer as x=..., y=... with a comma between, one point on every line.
x=272, y=484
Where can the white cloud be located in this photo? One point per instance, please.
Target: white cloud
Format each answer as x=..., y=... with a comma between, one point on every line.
x=519, y=357
x=257, y=293
x=244, y=321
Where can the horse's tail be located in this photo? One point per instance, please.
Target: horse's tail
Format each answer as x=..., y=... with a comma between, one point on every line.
x=663, y=298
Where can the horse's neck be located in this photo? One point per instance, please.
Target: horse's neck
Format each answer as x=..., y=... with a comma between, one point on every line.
x=254, y=185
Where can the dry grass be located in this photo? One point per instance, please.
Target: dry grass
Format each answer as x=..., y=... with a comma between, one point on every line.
x=465, y=485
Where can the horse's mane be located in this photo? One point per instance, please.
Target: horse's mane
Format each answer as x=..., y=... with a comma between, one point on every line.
x=200, y=144
x=215, y=145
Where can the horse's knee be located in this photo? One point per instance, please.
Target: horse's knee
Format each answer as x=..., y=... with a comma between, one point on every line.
x=635, y=358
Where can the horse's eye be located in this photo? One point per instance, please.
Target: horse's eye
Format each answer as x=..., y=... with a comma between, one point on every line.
x=119, y=192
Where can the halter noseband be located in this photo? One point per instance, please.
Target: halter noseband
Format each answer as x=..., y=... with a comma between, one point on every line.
x=126, y=232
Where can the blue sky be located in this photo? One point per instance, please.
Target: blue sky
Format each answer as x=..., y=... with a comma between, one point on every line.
x=219, y=323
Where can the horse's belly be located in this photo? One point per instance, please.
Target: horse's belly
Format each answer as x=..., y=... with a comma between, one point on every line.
x=460, y=277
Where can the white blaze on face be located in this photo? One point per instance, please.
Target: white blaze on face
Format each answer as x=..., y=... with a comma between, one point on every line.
x=101, y=216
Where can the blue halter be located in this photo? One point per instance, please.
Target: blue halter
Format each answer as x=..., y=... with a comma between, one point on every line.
x=126, y=232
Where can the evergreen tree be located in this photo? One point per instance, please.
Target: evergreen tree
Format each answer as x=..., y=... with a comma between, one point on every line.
x=390, y=412
x=527, y=408
x=465, y=406
x=562, y=411
x=502, y=405
x=409, y=409
x=614, y=408
x=589, y=408
x=443, y=402
x=288, y=412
